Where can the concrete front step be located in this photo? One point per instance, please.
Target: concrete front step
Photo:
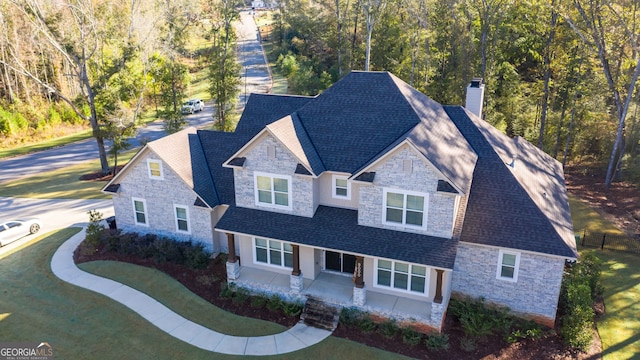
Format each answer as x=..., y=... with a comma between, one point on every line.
x=320, y=315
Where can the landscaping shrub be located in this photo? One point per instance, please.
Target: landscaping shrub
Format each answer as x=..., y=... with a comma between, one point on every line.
x=292, y=309
x=240, y=296
x=411, y=337
x=94, y=229
x=388, y=328
x=467, y=344
x=350, y=316
x=258, y=301
x=196, y=257
x=274, y=303
x=437, y=341
x=477, y=319
x=226, y=290
x=580, y=285
x=367, y=325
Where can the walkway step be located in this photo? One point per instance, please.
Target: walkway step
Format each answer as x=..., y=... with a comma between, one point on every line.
x=319, y=314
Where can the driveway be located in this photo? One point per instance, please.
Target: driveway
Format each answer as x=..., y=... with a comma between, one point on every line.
x=55, y=214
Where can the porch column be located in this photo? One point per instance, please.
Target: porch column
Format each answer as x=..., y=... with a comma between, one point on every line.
x=296, y=260
x=296, y=283
x=232, y=248
x=233, y=266
x=357, y=272
x=438, y=298
x=359, y=291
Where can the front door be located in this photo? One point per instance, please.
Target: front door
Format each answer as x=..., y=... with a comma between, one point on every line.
x=335, y=261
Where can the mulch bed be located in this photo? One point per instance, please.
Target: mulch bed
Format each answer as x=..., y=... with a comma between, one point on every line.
x=207, y=283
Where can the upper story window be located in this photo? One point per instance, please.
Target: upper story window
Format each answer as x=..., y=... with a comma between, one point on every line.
x=405, y=208
x=154, y=168
x=508, y=264
x=341, y=187
x=182, y=218
x=140, y=211
x=402, y=276
x=272, y=190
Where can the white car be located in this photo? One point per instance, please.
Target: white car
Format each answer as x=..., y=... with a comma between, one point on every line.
x=193, y=105
x=13, y=230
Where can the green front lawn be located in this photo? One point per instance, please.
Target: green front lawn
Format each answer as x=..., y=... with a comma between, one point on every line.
x=45, y=145
x=36, y=306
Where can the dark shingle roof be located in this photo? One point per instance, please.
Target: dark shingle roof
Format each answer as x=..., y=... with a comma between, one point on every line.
x=502, y=209
x=356, y=118
x=338, y=229
x=218, y=147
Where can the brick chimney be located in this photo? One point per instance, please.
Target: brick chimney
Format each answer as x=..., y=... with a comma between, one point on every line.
x=475, y=96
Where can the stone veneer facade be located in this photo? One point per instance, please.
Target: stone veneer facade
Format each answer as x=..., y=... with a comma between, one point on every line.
x=422, y=178
x=535, y=293
x=301, y=194
x=160, y=196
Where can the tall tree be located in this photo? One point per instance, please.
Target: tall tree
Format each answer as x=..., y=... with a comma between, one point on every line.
x=372, y=11
x=600, y=20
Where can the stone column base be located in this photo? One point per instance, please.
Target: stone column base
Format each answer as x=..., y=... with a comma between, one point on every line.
x=233, y=271
x=359, y=295
x=296, y=282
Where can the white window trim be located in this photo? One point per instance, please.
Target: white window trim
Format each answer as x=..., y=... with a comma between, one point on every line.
x=188, y=219
x=144, y=207
x=154, y=161
x=334, y=187
x=273, y=204
x=501, y=254
x=425, y=211
x=427, y=277
x=268, y=263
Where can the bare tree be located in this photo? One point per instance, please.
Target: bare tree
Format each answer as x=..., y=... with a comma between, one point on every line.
x=596, y=18
x=372, y=9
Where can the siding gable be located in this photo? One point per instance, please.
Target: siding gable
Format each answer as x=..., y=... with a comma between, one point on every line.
x=392, y=173
x=301, y=193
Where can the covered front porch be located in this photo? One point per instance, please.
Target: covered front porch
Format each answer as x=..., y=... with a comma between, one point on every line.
x=339, y=290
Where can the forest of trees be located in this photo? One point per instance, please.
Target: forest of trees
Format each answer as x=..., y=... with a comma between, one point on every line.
x=103, y=61
x=560, y=73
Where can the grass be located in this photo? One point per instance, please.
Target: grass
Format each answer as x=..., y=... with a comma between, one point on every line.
x=63, y=183
x=585, y=217
x=45, y=145
x=174, y=295
x=619, y=327
x=36, y=306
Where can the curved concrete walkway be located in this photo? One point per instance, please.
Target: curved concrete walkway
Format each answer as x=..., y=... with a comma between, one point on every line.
x=296, y=338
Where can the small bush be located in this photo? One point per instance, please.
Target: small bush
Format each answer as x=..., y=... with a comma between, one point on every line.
x=388, y=328
x=258, y=301
x=437, y=341
x=477, y=319
x=367, y=325
x=196, y=257
x=350, y=316
x=274, y=303
x=292, y=309
x=240, y=296
x=226, y=290
x=411, y=337
x=467, y=344
x=94, y=229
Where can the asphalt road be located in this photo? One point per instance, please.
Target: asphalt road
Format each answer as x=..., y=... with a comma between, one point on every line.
x=54, y=214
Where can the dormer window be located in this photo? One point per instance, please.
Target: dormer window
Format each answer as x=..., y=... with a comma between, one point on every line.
x=154, y=168
x=272, y=190
x=405, y=208
x=341, y=187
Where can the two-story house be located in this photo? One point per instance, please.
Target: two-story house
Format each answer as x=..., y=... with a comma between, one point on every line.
x=369, y=195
